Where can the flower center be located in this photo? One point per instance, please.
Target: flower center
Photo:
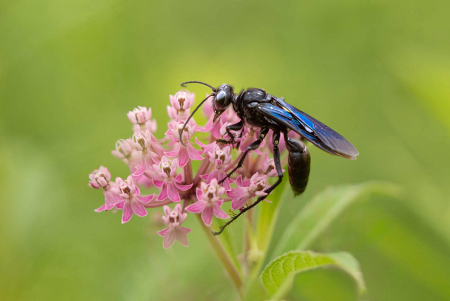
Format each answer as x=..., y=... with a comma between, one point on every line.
x=165, y=166
x=220, y=155
x=173, y=217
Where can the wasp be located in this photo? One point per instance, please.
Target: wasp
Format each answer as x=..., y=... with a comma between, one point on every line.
x=255, y=107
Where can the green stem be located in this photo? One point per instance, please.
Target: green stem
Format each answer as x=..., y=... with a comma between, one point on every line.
x=223, y=257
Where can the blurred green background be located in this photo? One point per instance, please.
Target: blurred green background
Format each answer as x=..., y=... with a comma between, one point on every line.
x=376, y=71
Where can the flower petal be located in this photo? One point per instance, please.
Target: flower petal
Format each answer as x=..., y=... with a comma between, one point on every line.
x=218, y=212
x=101, y=208
x=145, y=198
x=193, y=153
x=181, y=235
x=197, y=207
x=138, y=208
x=239, y=202
x=183, y=187
x=172, y=192
x=169, y=238
x=163, y=232
x=163, y=195
x=207, y=215
x=127, y=212
x=158, y=183
x=183, y=157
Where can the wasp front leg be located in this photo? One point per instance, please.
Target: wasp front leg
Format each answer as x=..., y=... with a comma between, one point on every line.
x=234, y=127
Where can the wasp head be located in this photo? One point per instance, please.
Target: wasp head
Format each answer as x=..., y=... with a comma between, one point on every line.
x=222, y=99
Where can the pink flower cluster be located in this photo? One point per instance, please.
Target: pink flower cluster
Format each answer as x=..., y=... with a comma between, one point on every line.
x=164, y=165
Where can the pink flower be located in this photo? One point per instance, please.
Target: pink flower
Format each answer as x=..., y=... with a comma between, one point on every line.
x=181, y=103
x=124, y=150
x=168, y=180
x=220, y=158
x=249, y=136
x=268, y=167
x=101, y=178
x=174, y=218
x=179, y=150
x=130, y=198
x=148, y=151
x=209, y=202
x=140, y=117
x=248, y=189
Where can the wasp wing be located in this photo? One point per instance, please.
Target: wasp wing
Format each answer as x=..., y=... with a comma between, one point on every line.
x=308, y=127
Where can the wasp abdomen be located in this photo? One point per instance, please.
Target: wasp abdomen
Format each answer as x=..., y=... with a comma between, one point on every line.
x=298, y=165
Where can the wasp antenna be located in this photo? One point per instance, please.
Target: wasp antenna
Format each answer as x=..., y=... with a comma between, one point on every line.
x=192, y=114
x=197, y=82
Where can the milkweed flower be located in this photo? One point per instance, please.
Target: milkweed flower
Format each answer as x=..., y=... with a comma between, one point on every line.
x=130, y=199
x=248, y=189
x=140, y=117
x=168, y=180
x=174, y=232
x=181, y=102
x=101, y=178
x=184, y=151
x=220, y=158
x=167, y=165
x=209, y=202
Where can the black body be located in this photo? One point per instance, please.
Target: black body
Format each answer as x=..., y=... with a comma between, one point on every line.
x=257, y=108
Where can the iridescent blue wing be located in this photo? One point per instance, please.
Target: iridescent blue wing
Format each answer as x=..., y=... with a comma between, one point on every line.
x=308, y=127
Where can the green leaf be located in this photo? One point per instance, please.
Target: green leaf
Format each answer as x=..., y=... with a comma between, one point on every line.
x=278, y=275
x=324, y=209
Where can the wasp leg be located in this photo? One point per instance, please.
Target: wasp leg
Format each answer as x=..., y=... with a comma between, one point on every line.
x=252, y=146
x=276, y=158
x=229, y=128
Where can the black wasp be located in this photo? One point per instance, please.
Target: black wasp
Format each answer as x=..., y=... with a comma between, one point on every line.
x=258, y=108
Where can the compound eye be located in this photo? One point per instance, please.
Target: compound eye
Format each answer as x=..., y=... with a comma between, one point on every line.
x=220, y=99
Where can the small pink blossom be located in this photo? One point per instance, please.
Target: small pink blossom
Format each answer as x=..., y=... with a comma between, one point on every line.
x=209, y=202
x=101, y=178
x=181, y=102
x=130, y=198
x=268, y=167
x=186, y=151
x=220, y=158
x=249, y=136
x=168, y=181
x=174, y=218
x=140, y=117
x=248, y=189
x=148, y=151
x=124, y=150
